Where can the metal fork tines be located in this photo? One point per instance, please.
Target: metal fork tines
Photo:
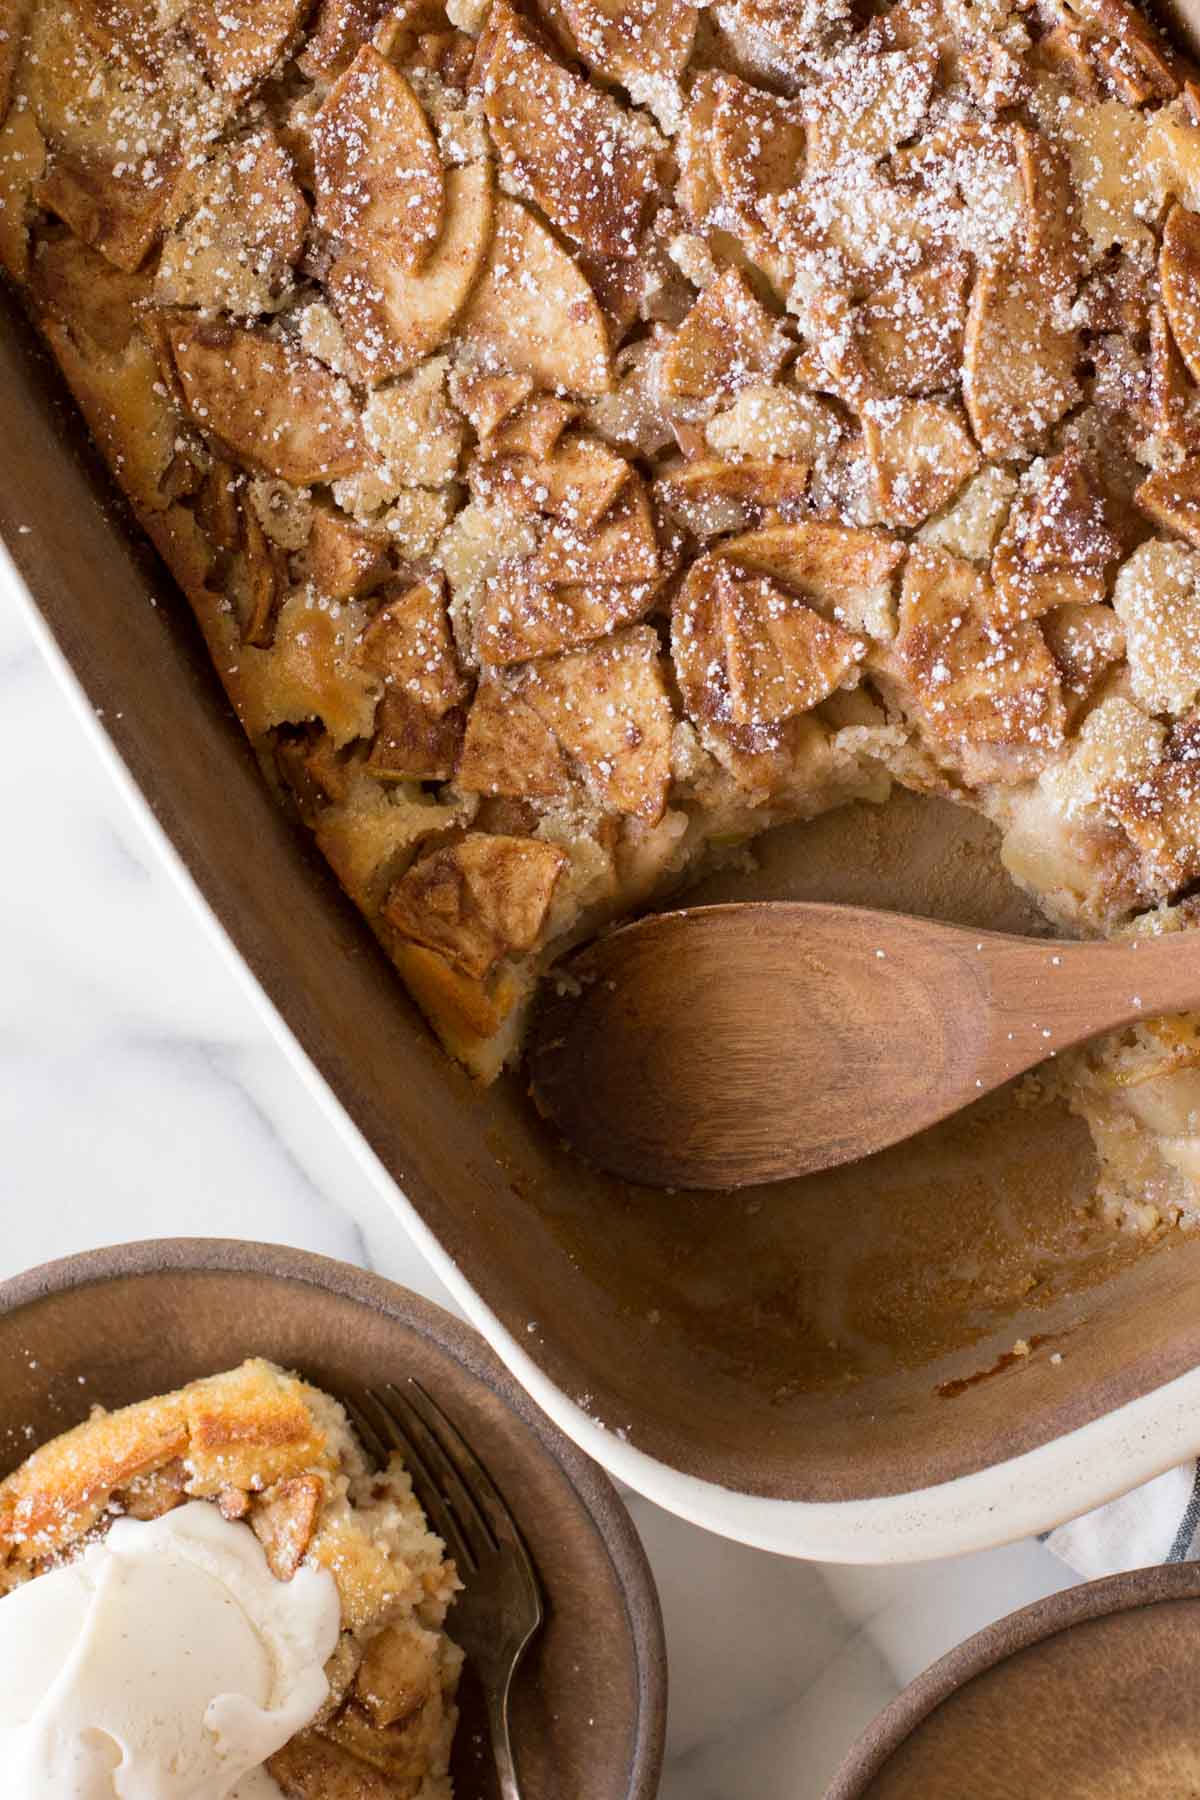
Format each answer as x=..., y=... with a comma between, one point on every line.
x=500, y=1608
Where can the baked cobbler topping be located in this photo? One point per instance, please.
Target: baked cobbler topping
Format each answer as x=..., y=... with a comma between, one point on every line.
x=590, y=434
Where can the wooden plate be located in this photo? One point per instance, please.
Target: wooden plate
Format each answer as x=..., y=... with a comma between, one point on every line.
x=113, y=1326
x=1088, y=1695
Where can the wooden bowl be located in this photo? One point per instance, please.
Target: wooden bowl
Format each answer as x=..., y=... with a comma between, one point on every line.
x=113, y=1326
x=1088, y=1695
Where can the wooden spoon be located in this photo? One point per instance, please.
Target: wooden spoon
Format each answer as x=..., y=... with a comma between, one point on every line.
x=729, y=1045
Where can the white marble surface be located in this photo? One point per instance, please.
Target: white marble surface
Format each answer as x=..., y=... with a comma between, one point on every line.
x=142, y=1095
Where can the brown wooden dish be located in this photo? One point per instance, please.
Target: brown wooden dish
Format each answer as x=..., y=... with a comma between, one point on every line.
x=114, y=1326
x=1087, y=1695
x=824, y=1351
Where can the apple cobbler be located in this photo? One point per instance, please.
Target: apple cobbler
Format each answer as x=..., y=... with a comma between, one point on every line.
x=592, y=433
x=277, y=1456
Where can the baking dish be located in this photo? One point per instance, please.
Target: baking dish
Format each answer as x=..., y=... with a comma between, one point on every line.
x=834, y=1368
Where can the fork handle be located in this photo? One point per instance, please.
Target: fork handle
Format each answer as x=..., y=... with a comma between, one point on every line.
x=506, y=1767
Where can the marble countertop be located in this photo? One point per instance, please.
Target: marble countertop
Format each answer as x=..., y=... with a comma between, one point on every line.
x=142, y=1095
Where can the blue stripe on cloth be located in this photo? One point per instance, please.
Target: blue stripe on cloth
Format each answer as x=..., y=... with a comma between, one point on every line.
x=1187, y=1525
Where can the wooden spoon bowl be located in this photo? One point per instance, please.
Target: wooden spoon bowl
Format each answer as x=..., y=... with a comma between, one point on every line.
x=731, y=1045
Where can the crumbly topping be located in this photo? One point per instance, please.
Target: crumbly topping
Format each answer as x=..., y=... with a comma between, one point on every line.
x=589, y=432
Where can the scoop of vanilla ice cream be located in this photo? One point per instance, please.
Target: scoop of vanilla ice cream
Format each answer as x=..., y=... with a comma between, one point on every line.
x=167, y=1663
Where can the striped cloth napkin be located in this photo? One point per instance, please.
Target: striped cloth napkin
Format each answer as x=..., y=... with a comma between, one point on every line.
x=1157, y=1523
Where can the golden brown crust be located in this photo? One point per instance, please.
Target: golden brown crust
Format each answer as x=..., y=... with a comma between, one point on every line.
x=603, y=429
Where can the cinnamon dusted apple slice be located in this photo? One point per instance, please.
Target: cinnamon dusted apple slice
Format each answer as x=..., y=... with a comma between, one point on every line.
x=562, y=142
x=271, y=406
x=1170, y=393
x=419, y=725
x=975, y=683
x=393, y=316
x=1179, y=275
x=609, y=709
x=1085, y=642
x=533, y=313
x=485, y=398
x=621, y=547
x=757, y=143
x=535, y=428
x=119, y=213
x=920, y=454
x=311, y=1768
x=763, y=484
x=781, y=657
x=844, y=572
x=635, y=43
x=576, y=483
x=871, y=102
x=341, y=559
x=378, y=171
x=1171, y=497
x=518, y=617
x=910, y=332
x=242, y=40
x=1129, y=52
x=86, y=292
x=1160, y=809
x=1019, y=367
x=477, y=901
x=509, y=748
x=284, y=1520
x=13, y=17
x=728, y=340
x=1054, y=239
x=1058, y=545
x=235, y=229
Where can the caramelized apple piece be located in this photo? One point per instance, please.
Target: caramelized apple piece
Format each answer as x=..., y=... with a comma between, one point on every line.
x=419, y=725
x=975, y=681
x=1161, y=810
x=533, y=313
x=311, y=1768
x=633, y=42
x=284, y=1522
x=519, y=617
x=727, y=341
x=845, y=573
x=621, y=547
x=910, y=332
x=561, y=142
x=920, y=454
x=1059, y=544
x=341, y=559
x=393, y=316
x=13, y=16
x=577, y=483
x=87, y=292
x=1085, y=641
x=399, y=1671
x=757, y=143
x=236, y=228
x=1019, y=368
x=609, y=708
x=271, y=405
x=379, y=174
x=1179, y=274
x=479, y=900
x=781, y=657
x=509, y=748
x=242, y=40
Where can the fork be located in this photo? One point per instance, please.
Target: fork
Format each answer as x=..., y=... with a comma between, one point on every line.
x=500, y=1610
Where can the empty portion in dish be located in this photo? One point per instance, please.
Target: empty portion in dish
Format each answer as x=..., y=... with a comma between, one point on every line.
x=277, y=1458
x=588, y=440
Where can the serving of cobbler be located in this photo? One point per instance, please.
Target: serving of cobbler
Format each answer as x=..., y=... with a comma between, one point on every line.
x=276, y=1456
x=592, y=433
